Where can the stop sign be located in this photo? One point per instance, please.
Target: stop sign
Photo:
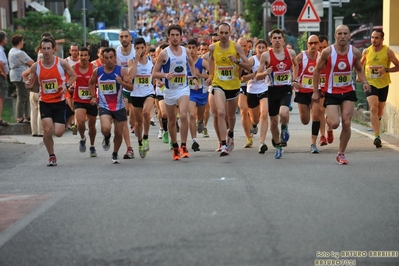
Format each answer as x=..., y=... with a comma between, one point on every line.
x=278, y=8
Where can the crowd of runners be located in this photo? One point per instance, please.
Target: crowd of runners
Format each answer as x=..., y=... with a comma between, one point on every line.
x=186, y=82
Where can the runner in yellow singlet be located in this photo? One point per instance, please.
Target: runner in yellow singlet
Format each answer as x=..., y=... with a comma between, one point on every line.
x=376, y=61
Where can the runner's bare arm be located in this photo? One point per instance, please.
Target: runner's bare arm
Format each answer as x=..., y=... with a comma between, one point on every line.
x=243, y=63
x=394, y=60
x=294, y=64
x=205, y=65
x=264, y=63
x=316, y=73
x=124, y=80
x=359, y=69
x=211, y=65
x=193, y=69
x=156, y=72
x=249, y=76
x=31, y=76
x=69, y=71
x=93, y=83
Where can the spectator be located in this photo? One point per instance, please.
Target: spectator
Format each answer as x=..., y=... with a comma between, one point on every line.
x=4, y=69
x=19, y=62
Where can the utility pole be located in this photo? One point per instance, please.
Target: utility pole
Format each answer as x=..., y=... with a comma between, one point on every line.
x=84, y=21
x=130, y=12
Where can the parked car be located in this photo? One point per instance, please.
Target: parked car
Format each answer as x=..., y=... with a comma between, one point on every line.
x=361, y=38
x=112, y=36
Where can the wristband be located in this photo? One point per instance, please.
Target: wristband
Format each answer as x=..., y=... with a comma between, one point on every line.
x=387, y=70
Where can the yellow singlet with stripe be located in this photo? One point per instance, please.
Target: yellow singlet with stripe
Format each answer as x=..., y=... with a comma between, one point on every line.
x=375, y=61
x=226, y=73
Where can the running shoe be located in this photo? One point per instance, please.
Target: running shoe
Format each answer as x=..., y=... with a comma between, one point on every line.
x=313, y=148
x=106, y=143
x=248, y=143
x=93, y=152
x=195, y=146
x=176, y=154
x=278, y=153
x=152, y=123
x=224, y=151
x=52, y=161
x=142, y=152
x=230, y=144
x=330, y=136
x=184, y=152
x=146, y=145
x=129, y=153
x=74, y=129
x=341, y=159
x=170, y=144
x=82, y=145
x=285, y=135
x=262, y=148
x=377, y=142
x=254, y=129
x=205, y=133
x=283, y=144
x=115, y=158
x=323, y=141
x=219, y=148
x=200, y=126
x=160, y=133
x=165, y=137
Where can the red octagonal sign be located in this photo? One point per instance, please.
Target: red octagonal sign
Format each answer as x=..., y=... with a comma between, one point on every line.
x=279, y=8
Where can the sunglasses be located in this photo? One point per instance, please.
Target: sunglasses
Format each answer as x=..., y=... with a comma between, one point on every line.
x=313, y=43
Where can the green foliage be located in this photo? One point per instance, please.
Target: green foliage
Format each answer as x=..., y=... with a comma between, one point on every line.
x=254, y=15
x=35, y=23
x=302, y=41
x=112, y=12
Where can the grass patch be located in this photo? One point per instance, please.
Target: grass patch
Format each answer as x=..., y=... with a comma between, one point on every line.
x=8, y=114
x=366, y=124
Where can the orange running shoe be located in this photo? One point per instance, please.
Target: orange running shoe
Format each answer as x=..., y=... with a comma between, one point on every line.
x=184, y=152
x=330, y=136
x=323, y=141
x=176, y=154
x=341, y=159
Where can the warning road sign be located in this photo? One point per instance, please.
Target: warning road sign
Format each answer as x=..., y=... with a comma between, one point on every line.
x=308, y=13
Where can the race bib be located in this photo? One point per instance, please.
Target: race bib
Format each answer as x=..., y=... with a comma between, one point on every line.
x=191, y=83
x=282, y=78
x=342, y=79
x=142, y=80
x=84, y=93
x=225, y=72
x=107, y=87
x=307, y=82
x=178, y=80
x=322, y=80
x=50, y=86
x=374, y=72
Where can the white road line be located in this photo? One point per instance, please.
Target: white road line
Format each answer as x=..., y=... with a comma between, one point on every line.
x=20, y=224
x=386, y=144
x=16, y=198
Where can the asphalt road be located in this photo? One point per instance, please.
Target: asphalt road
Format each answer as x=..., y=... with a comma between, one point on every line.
x=239, y=210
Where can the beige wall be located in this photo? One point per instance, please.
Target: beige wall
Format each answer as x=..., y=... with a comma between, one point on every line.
x=390, y=121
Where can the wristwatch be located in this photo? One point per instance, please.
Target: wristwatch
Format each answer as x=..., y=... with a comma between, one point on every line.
x=237, y=61
x=67, y=86
x=387, y=70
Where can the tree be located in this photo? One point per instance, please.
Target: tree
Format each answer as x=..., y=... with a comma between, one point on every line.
x=35, y=23
x=112, y=12
x=254, y=15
